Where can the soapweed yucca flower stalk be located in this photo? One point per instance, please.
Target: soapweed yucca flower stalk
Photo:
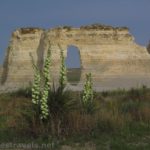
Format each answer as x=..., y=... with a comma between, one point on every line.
x=63, y=77
x=36, y=86
x=87, y=98
x=41, y=86
x=46, y=76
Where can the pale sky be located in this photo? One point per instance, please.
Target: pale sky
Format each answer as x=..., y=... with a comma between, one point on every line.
x=14, y=14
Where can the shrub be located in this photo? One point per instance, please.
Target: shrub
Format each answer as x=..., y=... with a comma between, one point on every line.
x=60, y=104
x=68, y=28
x=24, y=92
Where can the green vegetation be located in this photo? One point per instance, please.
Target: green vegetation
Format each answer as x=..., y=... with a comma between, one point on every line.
x=122, y=120
x=62, y=78
x=41, y=86
x=51, y=103
x=87, y=97
x=98, y=26
x=68, y=28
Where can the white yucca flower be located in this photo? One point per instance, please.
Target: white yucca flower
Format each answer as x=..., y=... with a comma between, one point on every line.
x=36, y=87
x=40, y=94
x=88, y=90
x=63, y=76
x=46, y=73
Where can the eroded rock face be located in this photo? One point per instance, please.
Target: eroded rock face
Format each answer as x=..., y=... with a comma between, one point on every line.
x=18, y=70
x=109, y=53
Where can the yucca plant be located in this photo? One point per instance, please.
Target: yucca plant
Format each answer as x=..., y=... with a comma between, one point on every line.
x=60, y=101
x=36, y=86
x=60, y=104
x=87, y=96
x=46, y=79
x=41, y=85
x=52, y=103
x=63, y=74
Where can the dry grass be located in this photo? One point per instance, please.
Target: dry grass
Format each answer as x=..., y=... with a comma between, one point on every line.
x=115, y=111
x=12, y=111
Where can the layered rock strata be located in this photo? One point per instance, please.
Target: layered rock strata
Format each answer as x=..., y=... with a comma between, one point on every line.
x=109, y=53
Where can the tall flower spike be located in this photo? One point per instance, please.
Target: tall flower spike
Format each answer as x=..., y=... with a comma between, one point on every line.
x=36, y=86
x=62, y=78
x=46, y=74
x=87, y=97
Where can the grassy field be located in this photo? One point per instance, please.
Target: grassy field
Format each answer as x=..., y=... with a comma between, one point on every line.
x=120, y=121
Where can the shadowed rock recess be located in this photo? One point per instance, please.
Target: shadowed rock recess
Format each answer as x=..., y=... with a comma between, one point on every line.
x=109, y=53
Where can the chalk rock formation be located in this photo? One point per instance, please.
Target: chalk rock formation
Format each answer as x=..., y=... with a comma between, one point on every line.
x=109, y=53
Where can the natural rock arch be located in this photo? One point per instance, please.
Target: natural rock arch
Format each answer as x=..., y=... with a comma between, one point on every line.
x=73, y=59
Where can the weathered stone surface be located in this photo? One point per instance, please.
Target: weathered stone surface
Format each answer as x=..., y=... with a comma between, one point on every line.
x=18, y=70
x=109, y=53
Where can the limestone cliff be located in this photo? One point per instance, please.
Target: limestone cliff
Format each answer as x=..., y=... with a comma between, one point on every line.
x=17, y=71
x=109, y=53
